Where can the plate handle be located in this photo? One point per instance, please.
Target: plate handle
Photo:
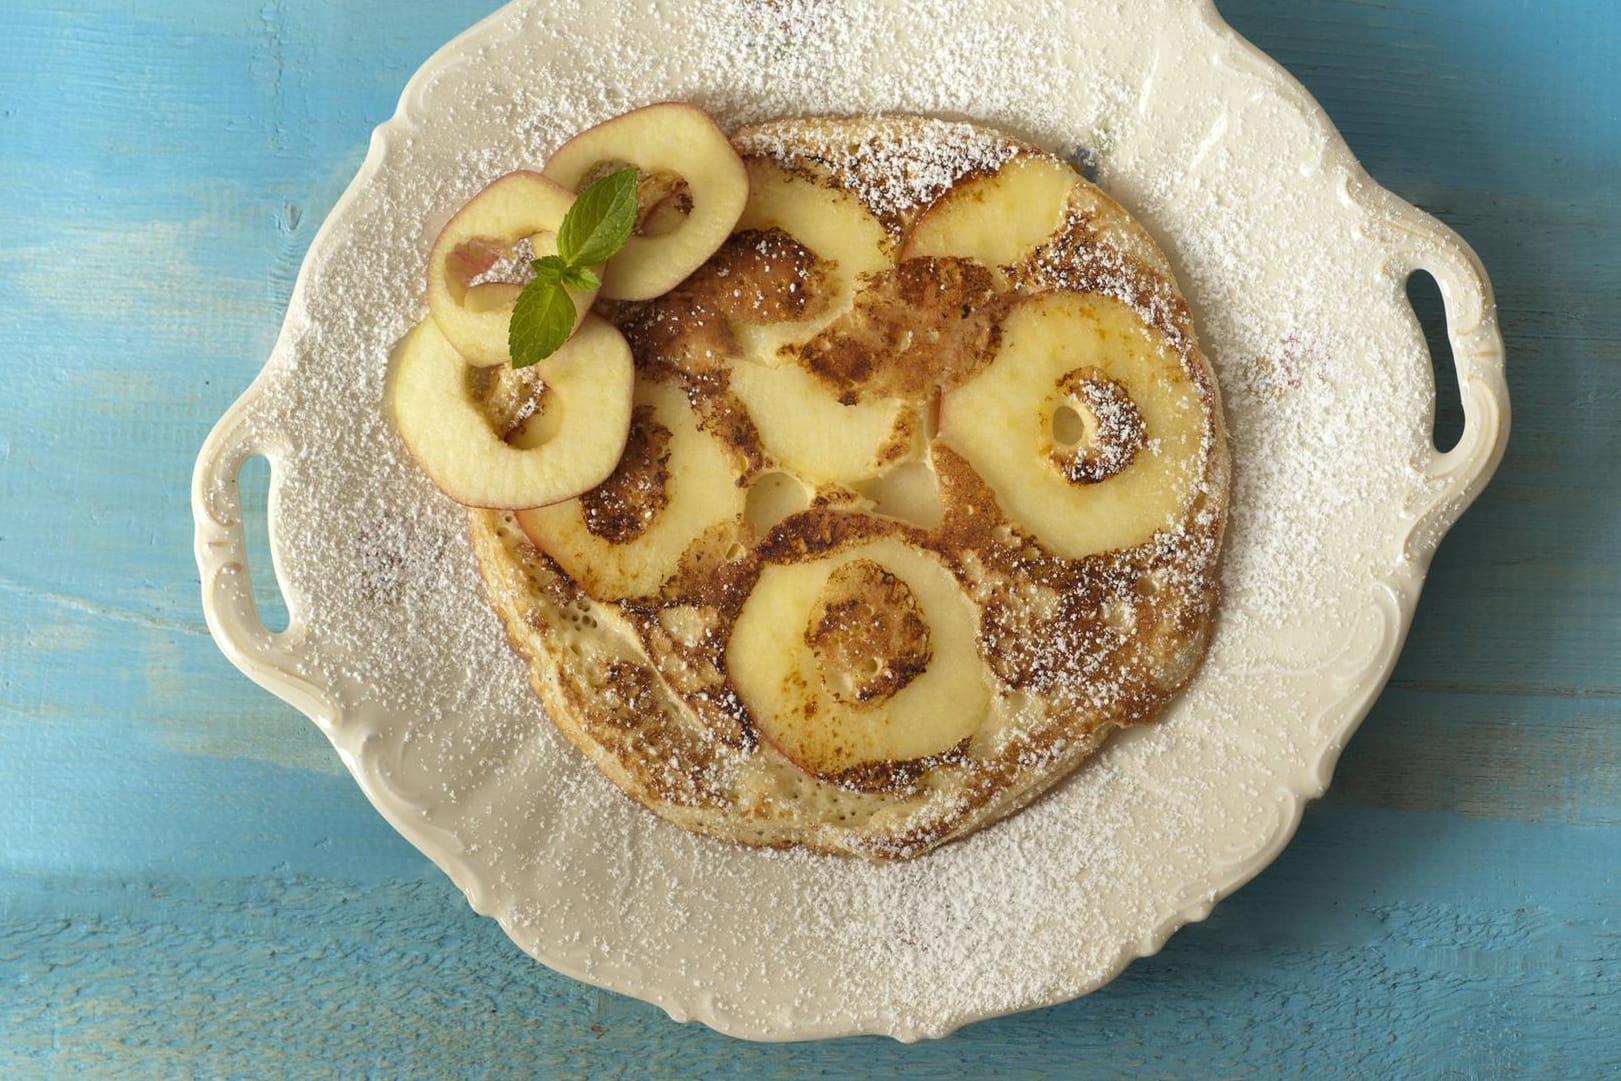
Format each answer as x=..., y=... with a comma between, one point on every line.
x=278, y=661
x=1450, y=480
x=1478, y=355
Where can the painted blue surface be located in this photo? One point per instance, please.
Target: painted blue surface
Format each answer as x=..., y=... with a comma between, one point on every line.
x=190, y=886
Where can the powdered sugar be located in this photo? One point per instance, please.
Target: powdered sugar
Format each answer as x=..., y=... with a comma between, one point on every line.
x=891, y=175
x=1327, y=404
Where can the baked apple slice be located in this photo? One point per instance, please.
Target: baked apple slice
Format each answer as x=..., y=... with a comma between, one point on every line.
x=812, y=434
x=997, y=219
x=846, y=240
x=858, y=663
x=671, y=140
x=514, y=207
x=1085, y=425
x=585, y=408
x=675, y=487
x=1003, y=218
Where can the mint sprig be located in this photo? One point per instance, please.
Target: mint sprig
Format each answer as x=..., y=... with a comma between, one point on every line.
x=600, y=221
x=594, y=229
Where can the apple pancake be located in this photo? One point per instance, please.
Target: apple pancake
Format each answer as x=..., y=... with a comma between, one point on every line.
x=922, y=498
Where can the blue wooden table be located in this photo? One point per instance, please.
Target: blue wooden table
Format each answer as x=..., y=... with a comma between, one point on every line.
x=190, y=886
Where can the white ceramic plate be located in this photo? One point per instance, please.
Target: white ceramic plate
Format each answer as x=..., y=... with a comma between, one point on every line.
x=1294, y=262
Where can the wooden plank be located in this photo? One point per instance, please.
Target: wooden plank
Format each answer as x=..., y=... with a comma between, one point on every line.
x=1516, y=758
x=1460, y=957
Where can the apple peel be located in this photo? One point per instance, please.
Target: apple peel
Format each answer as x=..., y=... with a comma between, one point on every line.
x=673, y=138
x=586, y=406
x=475, y=319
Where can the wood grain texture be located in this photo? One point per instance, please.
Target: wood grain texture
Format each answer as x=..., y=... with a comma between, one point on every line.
x=191, y=887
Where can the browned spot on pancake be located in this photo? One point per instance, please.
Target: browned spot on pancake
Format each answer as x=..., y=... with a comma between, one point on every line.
x=674, y=333
x=1077, y=260
x=834, y=495
x=717, y=570
x=903, y=442
x=1112, y=430
x=897, y=777
x=971, y=517
x=868, y=636
x=756, y=277
x=721, y=414
x=629, y=692
x=694, y=665
x=923, y=324
x=820, y=531
x=760, y=276
x=622, y=507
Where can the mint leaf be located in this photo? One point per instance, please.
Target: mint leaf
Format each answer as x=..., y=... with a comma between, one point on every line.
x=596, y=226
x=542, y=320
x=549, y=269
x=600, y=220
x=579, y=277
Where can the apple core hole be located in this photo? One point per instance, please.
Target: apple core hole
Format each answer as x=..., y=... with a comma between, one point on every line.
x=773, y=497
x=909, y=492
x=253, y=495
x=488, y=261
x=666, y=208
x=1068, y=426
x=735, y=553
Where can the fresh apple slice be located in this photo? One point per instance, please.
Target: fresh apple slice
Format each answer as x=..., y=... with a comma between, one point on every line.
x=585, y=406
x=865, y=658
x=674, y=488
x=834, y=226
x=668, y=138
x=811, y=433
x=1085, y=425
x=475, y=318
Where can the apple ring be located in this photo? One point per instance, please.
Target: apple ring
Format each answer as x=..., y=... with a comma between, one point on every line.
x=586, y=411
x=1133, y=463
x=676, y=487
x=1002, y=218
x=475, y=318
x=671, y=138
x=861, y=660
x=847, y=240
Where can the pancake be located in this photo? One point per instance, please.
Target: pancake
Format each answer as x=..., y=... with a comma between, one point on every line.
x=923, y=497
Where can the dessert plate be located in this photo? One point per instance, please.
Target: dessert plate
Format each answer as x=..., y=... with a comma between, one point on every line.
x=1294, y=262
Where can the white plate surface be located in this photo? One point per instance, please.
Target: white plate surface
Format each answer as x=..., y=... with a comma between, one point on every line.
x=1294, y=262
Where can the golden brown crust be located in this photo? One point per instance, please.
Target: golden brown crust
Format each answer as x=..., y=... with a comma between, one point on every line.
x=620, y=508
x=867, y=624
x=925, y=325
x=1075, y=648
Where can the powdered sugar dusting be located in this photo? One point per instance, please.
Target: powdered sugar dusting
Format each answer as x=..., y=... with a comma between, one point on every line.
x=890, y=174
x=1327, y=397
